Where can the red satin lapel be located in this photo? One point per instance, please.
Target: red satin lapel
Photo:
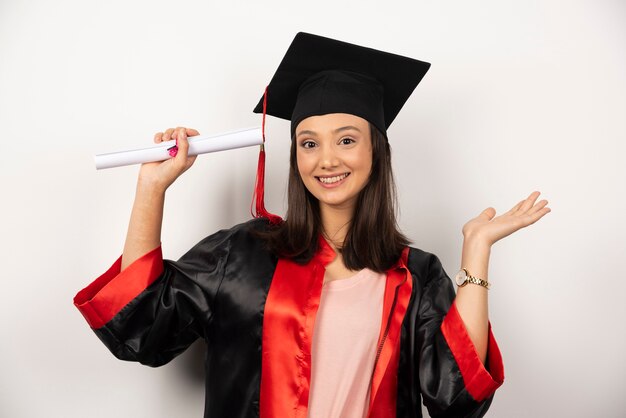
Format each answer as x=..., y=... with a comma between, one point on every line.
x=289, y=315
x=384, y=381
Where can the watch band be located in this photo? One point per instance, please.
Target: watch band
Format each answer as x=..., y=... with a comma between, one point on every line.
x=476, y=280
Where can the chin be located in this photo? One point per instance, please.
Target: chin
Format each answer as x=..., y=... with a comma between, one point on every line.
x=338, y=198
x=338, y=202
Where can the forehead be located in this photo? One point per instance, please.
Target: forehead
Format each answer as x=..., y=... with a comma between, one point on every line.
x=329, y=122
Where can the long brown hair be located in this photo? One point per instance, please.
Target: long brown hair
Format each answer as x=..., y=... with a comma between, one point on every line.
x=373, y=239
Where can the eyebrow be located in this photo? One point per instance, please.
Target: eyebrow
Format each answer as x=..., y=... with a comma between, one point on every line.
x=343, y=128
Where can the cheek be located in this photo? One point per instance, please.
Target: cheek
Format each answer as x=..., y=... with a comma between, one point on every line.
x=304, y=164
x=363, y=161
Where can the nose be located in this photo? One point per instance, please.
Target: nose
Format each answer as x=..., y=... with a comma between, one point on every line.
x=328, y=158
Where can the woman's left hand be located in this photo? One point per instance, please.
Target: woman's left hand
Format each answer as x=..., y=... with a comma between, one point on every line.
x=488, y=229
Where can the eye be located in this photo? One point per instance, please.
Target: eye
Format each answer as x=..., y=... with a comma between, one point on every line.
x=308, y=144
x=347, y=141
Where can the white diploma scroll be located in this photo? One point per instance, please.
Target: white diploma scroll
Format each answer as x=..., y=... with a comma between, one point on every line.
x=199, y=144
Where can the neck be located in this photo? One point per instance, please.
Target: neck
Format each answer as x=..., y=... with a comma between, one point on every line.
x=336, y=223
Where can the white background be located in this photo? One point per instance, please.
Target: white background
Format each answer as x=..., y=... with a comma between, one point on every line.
x=521, y=96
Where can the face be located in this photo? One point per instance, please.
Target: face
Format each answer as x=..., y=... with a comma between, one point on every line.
x=334, y=156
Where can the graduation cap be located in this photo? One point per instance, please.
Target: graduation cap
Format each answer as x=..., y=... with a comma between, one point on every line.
x=320, y=75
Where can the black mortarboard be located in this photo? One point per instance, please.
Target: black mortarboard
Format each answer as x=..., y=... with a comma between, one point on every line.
x=320, y=75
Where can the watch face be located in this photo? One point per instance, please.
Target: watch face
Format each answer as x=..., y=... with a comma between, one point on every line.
x=460, y=277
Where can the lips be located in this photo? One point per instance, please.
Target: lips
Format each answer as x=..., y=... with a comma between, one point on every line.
x=333, y=179
x=330, y=180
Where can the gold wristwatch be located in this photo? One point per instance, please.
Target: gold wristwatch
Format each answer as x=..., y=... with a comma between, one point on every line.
x=463, y=277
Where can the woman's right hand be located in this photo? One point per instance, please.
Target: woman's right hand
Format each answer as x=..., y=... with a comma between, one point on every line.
x=162, y=174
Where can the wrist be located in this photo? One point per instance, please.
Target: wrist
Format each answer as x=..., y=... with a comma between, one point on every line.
x=475, y=258
x=465, y=276
x=147, y=187
x=476, y=244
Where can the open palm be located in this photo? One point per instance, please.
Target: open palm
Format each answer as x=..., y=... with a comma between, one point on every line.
x=491, y=229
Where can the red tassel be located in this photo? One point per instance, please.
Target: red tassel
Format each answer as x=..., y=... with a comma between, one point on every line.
x=259, y=187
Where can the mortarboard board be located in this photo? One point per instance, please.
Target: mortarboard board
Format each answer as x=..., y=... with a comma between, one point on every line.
x=320, y=75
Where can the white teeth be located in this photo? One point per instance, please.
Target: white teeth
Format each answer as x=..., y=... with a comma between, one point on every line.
x=330, y=180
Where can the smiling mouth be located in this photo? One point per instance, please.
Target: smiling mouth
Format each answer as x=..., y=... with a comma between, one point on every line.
x=334, y=179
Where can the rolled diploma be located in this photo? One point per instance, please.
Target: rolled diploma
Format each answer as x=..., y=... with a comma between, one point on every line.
x=199, y=144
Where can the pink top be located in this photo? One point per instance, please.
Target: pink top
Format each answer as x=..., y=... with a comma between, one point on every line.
x=345, y=337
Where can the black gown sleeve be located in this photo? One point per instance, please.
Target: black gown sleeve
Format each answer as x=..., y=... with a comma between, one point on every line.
x=155, y=309
x=453, y=380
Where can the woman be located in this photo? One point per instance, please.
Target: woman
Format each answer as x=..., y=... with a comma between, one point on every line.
x=328, y=313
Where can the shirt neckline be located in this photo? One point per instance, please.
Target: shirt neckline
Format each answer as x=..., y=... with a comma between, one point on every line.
x=349, y=282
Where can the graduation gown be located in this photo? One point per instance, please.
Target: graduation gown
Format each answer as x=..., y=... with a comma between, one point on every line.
x=257, y=311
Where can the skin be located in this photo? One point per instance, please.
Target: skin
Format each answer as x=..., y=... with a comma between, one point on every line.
x=479, y=234
x=327, y=146
x=144, y=228
x=324, y=152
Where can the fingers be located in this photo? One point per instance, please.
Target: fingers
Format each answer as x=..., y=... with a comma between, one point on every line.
x=188, y=132
x=192, y=132
x=523, y=205
x=537, y=207
x=529, y=202
x=528, y=207
x=180, y=160
x=530, y=210
x=172, y=133
x=536, y=215
x=163, y=136
x=515, y=208
x=167, y=135
x=537, y=212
